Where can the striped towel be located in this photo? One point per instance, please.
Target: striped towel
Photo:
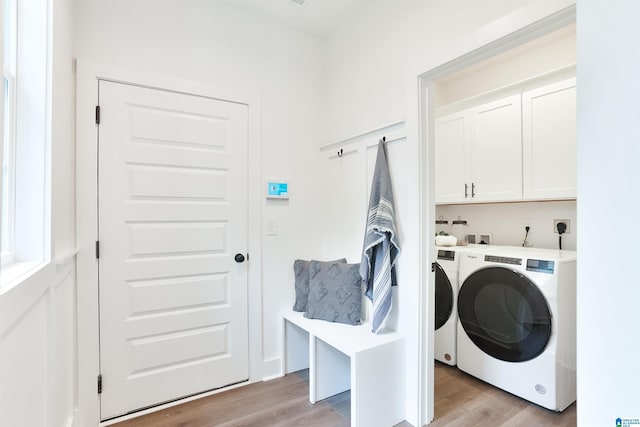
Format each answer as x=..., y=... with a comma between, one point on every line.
x=381, y=247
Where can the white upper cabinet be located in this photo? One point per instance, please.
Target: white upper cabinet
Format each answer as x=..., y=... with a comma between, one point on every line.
x=521, y=147
x=452, y=133
x=496, y=151
x=549, y=141
x=479, y=154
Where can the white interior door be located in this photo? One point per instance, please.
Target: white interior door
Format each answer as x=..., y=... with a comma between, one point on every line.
x=172, y=215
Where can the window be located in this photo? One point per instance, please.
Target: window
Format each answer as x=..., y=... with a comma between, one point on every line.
x=25, y=204
x=8, y=135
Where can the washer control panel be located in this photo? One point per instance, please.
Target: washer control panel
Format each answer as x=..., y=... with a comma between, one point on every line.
x=540, y=266
x=446, y=255
x=503, y=259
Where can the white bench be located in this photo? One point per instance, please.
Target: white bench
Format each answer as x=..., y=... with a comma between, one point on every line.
x=342, y=357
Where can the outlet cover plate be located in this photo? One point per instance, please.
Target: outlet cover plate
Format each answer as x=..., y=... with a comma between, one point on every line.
x=566, y=221
x=484, y=238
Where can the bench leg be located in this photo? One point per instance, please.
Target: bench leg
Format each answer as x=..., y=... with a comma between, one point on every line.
x=296, y=348
x=377, y=392
x=329, y=373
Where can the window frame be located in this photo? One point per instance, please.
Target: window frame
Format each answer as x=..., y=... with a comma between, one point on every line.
x=8, y=172
x=25, y=202
x=9, y=66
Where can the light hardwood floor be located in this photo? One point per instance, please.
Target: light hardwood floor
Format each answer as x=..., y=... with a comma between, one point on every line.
x=460, y=401
x=463, y=400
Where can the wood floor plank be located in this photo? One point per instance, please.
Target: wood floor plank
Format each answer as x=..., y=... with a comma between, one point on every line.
x=460, y=401
x=294, y=412
x=228, y=406
x=535, y=416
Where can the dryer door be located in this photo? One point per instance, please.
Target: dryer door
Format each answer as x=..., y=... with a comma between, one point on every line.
x=444, y=297
x=504, y=314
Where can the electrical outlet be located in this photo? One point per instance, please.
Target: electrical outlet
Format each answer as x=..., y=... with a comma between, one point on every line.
x=485, y=238
x=566, y=221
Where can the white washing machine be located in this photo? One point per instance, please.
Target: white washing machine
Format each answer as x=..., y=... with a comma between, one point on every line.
x=446, y=296
x=517, y=322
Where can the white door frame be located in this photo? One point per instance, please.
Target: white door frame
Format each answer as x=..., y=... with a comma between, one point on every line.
x=525, y=28
x=88, y=73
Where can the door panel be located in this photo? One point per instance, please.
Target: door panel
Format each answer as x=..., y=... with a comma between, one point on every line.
x=497, y=151
x=452, y=166
x=172, y=214
x=549, y=141
x=504, y=314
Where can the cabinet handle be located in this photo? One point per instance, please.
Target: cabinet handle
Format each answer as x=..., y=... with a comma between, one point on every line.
x=466, y=190
x=473, y=190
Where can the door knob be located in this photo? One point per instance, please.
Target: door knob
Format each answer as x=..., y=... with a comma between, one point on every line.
x=239, y=258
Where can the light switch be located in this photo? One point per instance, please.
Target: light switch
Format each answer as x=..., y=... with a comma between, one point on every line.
x=272, y=227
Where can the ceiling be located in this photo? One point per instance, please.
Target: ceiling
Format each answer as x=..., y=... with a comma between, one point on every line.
x=317, y=17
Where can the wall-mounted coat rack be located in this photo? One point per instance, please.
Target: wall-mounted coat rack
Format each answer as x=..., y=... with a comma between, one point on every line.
x=341, y=151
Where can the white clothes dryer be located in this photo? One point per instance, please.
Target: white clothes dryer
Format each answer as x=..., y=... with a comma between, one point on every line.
x=517, y=322
x=446, y=296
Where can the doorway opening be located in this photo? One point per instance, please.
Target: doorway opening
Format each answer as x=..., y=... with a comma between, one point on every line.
x=530, y=57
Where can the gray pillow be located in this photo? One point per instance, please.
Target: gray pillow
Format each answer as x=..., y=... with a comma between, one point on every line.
x=301, y=271
x=335, y=292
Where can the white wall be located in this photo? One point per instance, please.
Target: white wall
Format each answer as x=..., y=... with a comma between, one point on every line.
x=608, y=158
x=63, y=120
x=372, y=65
x=536, y=58
x=63, y=367
x=37, y=318
x=370, y=58
x=216, y=45
x=506, y=221
x=37, y=349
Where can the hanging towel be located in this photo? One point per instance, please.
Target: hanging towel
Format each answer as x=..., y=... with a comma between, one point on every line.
x=380, y=248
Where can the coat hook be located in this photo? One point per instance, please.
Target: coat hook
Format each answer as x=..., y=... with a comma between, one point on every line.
x=384, y=139
x=340, y=152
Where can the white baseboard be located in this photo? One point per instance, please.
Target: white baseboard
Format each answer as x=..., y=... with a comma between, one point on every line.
x=272, y=369
x=272, y=377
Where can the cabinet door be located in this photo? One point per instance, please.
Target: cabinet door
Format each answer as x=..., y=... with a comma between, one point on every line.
x=496, y=154
x=451, y=165
x=549, y=141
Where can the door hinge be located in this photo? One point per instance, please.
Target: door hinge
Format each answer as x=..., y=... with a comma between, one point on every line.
x=100, y=384
x=97, y=249
x=433, y=267
x=97, y=114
